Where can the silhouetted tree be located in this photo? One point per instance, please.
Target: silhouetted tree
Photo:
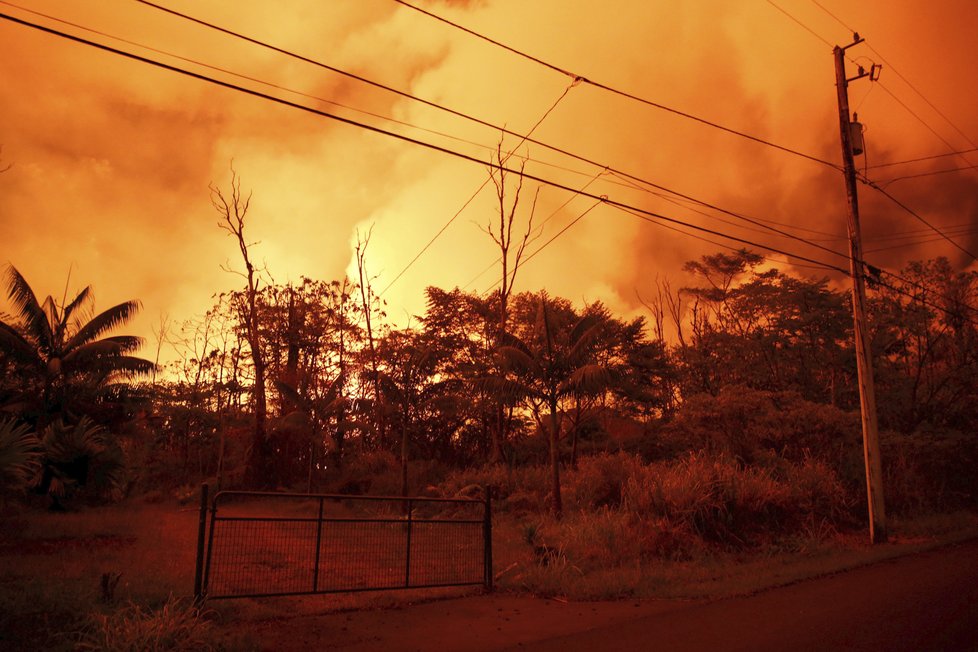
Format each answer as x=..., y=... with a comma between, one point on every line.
x=233, y=210
x=67, y=366
x=553, y=360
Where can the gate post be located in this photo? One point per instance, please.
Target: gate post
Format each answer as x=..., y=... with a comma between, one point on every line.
x=201, y=533
x=487, y=538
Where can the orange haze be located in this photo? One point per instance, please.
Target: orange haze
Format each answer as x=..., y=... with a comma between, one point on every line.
x=112, y=158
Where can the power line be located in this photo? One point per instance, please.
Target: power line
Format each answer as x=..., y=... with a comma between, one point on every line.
x=913, y=213
x=259, y=81
x=476, y=193
x=801, y=24
x=922, y=158
x=645, y=215
x=648, y=215
x=613, y=90
x=886, y=182
x=912, y=87
x=524, y=138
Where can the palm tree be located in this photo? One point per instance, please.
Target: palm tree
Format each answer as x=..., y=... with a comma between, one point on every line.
x=549, y=365
x=67, y=365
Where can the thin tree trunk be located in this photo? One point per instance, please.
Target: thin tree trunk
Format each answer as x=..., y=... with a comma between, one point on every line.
x=556, y=505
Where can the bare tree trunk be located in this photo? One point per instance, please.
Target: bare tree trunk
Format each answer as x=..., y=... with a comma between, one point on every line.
x=366, y=295
x=233, y=210
x=556, y=505
x=502, y=235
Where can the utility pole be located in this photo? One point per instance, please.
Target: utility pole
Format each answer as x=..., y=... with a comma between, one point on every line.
x=864, y=362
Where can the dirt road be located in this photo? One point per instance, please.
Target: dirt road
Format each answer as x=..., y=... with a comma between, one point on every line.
x=923, y=602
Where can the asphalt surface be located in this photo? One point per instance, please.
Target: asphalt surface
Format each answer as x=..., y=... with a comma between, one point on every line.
x=925, y=602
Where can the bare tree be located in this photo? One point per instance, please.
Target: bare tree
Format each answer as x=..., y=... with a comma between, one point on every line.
x=233, y=209
x=368, y=299
x=502, y=234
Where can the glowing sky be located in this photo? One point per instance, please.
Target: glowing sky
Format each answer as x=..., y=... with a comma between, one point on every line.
x=112, y=158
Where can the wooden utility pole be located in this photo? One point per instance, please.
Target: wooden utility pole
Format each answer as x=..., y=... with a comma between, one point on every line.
x=864, y=362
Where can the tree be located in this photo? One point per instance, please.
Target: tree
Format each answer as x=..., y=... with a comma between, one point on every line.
x=766, y=330
x=502, y=235
x=370, y=305
x=233, y=210
x=407, y=383
x=554, y=360
x=926, y=347
x=462, y=327
x=69, y=367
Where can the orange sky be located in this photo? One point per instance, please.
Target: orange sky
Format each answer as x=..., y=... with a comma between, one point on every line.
x=112, y=158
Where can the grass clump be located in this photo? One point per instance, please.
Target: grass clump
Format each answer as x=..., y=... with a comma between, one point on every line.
x=176, y=625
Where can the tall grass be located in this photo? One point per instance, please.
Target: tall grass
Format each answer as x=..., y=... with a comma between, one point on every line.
x=176, y=625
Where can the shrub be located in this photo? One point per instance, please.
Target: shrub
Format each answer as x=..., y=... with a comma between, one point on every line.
x=930, y=469
x=599, y=479
x=19, y=457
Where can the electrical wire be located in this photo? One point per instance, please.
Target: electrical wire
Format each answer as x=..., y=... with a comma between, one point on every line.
x=645, y=215
x=876, y=186
x=524, y=138
x=476, y=193
x=801, y=24
x=914, y=213
x=922, y=158
x=613, y=90
x=886, y=182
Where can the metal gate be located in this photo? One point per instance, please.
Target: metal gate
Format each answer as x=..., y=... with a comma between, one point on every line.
x=253, y=544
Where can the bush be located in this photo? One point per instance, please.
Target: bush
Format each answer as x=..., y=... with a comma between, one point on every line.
x=752, y=425
x=930, y=470
x=599, y=479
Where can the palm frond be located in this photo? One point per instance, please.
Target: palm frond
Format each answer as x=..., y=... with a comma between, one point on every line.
x=584, y=325
x=103, y=322
x=507, y=389
x=27, y=307
x=19, y=455
x=588, y=379
x=77, y=302
x=13, y=343
x=127, y=366
x=582, y=341
x=516, y=360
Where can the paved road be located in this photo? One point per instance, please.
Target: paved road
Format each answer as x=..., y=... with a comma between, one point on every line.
x=926, y=602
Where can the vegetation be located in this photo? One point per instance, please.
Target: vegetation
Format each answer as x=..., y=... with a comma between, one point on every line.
x=619, y=451
x=750, y=368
